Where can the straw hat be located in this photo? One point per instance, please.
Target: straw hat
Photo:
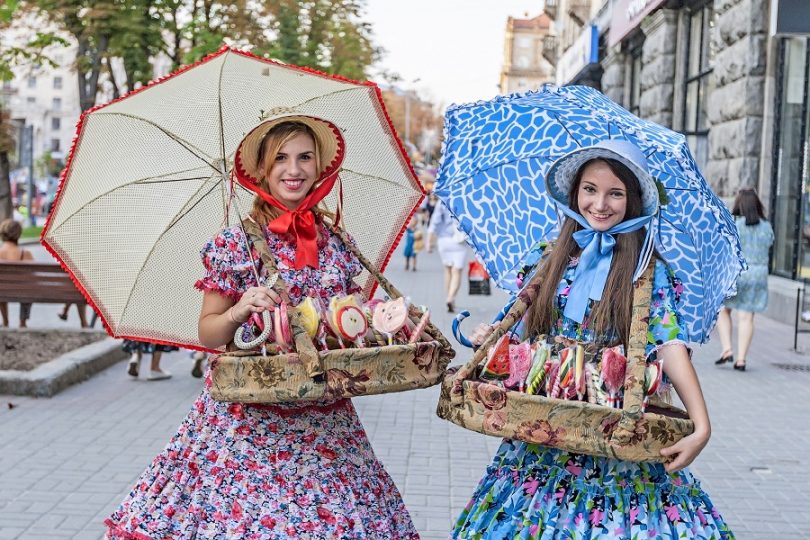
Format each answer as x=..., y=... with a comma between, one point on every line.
x=560, y=176
x=330, y=143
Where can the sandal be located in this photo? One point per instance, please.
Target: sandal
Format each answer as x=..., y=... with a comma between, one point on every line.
x=158, y=375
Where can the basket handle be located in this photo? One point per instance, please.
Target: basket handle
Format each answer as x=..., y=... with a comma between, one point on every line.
x=633, y=410
x=414, y=312
x=525, y=298
x=307, y=353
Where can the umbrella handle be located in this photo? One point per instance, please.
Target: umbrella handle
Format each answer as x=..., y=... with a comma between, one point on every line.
x=461, y=338
x=238, y=336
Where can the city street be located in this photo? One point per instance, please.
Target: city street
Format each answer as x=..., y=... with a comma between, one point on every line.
x=67, y=461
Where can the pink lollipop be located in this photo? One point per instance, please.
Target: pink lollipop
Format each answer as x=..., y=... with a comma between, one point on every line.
x=389, y=317
x=281, y=325
x=420, y=328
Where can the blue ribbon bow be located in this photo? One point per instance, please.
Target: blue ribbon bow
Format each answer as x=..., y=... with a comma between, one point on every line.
x=594, y=262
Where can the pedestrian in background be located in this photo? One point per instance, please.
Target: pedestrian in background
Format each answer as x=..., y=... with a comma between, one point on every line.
x=452, y=250
x=10, y=232
x=756, y=238
x=413, y=243
x=137, y=349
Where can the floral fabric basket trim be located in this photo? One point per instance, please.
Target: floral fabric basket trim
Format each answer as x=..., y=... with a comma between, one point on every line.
x=307, y=374
x=629, y=433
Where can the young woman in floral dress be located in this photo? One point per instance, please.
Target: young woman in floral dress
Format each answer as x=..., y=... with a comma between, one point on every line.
x=270, y=472
x=532, y=491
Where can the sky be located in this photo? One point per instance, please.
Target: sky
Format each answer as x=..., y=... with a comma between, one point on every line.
x=454, y=47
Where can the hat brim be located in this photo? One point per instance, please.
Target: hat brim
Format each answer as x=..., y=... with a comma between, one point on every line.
x=560, y=177
x=330, y=143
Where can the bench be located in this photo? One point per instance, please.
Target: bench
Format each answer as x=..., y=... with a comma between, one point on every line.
x=39, y=283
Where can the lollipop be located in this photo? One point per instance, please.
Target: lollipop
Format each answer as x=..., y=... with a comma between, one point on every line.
x=282, y=326
x=614, y=365
x=335, y=306
x=497, y=366
x=352, y=324
x=579, y=380
x=368, y=309
x=538, y=370
x=420, y=327
x=389, y=317
x=308, y=316
x=519, y=364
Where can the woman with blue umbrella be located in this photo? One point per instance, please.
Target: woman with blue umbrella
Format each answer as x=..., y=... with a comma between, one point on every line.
x=610, y=202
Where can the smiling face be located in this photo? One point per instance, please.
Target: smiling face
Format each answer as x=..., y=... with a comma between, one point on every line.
x=294, y=170
x=601, y=196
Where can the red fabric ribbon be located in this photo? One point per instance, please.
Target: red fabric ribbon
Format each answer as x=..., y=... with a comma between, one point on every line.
x=299, y=222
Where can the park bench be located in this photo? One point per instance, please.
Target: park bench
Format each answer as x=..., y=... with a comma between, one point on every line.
x=38, y=283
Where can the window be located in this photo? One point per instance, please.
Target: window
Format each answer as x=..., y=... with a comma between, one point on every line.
x=635, y=81
x=699, y=83
x=55, y=146
x=32, y=82
x=56, y=123
x=31, y=99
x=57, y=83
x=56, y=104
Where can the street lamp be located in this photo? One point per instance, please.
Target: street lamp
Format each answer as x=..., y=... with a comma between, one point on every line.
x=408, y=111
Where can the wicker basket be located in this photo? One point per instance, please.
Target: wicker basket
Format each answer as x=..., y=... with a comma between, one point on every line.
x=307, y=374
x=630, y=433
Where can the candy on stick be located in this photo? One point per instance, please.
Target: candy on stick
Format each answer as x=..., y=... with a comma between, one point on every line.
x=652, y=380
x=497, y=365
x=566, y=375
x=591, y=378
x=308, y=316
x=538, y=370
x=420, y=327
x=389, y=317
x=614, y=365
x=552, y=377
x=348, y=319
x=368, y=309
x=579, y=381
x=281, y=324
x=519, y=364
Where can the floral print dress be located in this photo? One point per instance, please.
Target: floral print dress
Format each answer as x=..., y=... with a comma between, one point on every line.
x=267, y=472
x=537, y=492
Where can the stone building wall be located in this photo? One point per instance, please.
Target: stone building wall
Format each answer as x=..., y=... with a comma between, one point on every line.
x=658, y=66
x=735, y=107
x=613, y=76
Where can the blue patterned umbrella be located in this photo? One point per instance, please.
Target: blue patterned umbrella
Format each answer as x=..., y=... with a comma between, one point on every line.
x=496, y=154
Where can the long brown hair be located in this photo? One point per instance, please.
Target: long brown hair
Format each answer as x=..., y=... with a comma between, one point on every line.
x=274, y=139
x=748, y=204
x=611, y=316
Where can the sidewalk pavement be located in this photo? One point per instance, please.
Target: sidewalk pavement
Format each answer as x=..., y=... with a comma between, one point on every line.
x=67, y=461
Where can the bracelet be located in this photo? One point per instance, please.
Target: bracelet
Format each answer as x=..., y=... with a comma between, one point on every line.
x=231, y=317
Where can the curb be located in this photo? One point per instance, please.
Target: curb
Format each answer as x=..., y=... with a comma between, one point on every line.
x=63, y=371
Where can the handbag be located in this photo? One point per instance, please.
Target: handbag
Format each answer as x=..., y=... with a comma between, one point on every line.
x=308, y=374
x=630, y=433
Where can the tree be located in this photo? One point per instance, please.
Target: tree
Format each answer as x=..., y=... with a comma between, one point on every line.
x=322, y=34
x=30, y=51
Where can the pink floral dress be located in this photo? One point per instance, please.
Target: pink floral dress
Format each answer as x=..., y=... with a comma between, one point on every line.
x=269, y=472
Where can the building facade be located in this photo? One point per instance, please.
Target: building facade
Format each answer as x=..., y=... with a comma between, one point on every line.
x=529, y=50
x=734, y=77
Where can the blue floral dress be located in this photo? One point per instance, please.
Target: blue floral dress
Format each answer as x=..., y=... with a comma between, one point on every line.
x=752, y=285
x=537, y=492
x=267, y=472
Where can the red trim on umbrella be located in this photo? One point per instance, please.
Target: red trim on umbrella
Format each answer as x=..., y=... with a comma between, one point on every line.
x=62, y=260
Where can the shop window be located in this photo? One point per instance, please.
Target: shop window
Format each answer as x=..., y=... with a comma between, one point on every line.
x=699, y=83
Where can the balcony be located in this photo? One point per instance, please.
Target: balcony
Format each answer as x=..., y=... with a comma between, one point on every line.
x=579, y=10
x=550, y=49
x=550, y=8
